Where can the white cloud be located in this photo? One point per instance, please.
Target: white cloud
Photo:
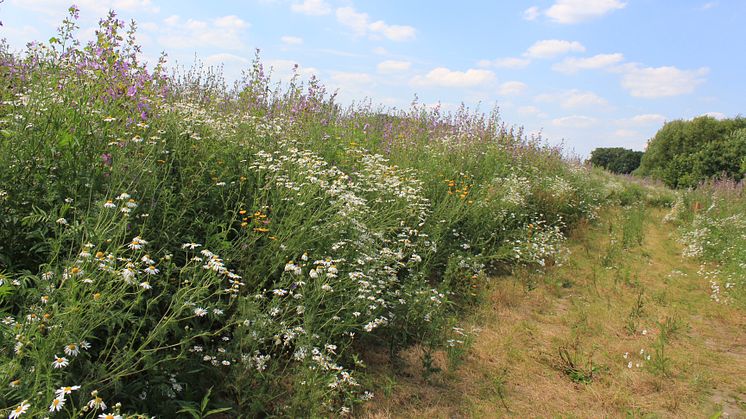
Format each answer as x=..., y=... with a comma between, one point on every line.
x=393, y=66
x=573, y=65
x=549, y=48
x=291, y=40
x=510, y=62
x=574, y=121
x=99, y=8
x=575, y=11
x=648, y=118
x=529, y=110
x=361, y=25
x=511, y=88
x=655, y=82
x=223, y=32
x=573, y=99
x=380, y=51
x=225, y=58
x=230, y=22
x=709, y=5
x=716, y=115
x=531, y=13
x=312, y=7
x=445, y=77
x=576, y=99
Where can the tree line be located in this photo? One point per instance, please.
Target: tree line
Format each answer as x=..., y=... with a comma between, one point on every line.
x=684, y=153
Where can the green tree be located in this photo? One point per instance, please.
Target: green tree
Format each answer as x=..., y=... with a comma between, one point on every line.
x=684, y=153
x=616, y=159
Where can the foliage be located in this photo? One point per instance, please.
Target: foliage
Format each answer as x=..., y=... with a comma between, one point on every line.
x=616, y=159
x=713, y=227
x=684, y=153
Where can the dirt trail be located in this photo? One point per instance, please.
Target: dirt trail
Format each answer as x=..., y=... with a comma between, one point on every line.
x=584, y=340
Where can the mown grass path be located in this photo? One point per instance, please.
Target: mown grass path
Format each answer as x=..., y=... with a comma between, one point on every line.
x=554, y=344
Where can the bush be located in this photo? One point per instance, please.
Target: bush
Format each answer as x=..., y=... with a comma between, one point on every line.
x=684, y=153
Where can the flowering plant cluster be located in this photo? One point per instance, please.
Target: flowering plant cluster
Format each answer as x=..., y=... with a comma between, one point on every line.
x=713, y=230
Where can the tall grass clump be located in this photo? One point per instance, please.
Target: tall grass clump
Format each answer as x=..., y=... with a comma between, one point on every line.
x=713, y=226
x=169, y=243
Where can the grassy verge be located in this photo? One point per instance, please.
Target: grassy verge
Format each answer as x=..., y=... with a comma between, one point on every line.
x=622, y=330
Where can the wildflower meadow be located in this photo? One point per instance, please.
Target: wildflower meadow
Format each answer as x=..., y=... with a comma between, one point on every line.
x=171, y=244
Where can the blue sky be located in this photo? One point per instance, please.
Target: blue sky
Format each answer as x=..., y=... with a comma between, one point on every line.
x=590, y=73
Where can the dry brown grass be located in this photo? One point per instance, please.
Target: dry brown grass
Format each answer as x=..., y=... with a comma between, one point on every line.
x=514, y=368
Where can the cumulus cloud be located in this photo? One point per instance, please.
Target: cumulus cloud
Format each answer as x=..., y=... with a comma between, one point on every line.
x=225, y=58
x=361, y=25
x=445, y=77
x=531, y=13
x=223, y=32
x=509, y=62
x=529, y=110
x=648, y=118
x=393, y=66
x=655, y=82
x=312, y=7
x=716, y=115
x=709, y=5
x=574, y=121
x=291, y=40
x=549, y=48
x=572, y=99
x=512, y=88
x=575, y=11
x=573, y=65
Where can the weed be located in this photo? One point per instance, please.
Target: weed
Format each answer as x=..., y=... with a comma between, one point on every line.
x=660, y=363
x=633, y=221
x=576, y=364
x=671, y=327
x=634, y=316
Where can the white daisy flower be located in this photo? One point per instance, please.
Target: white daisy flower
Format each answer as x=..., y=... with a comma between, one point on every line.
x=72, y=349
x=60, y=362
x=96, y=402
x=57, y=404
x=62, y=391
x=200, y=312
x=137, y=243
x=19, y=410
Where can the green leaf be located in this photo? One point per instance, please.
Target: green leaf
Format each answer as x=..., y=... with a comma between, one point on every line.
x=216, y=411
x=66, y=139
